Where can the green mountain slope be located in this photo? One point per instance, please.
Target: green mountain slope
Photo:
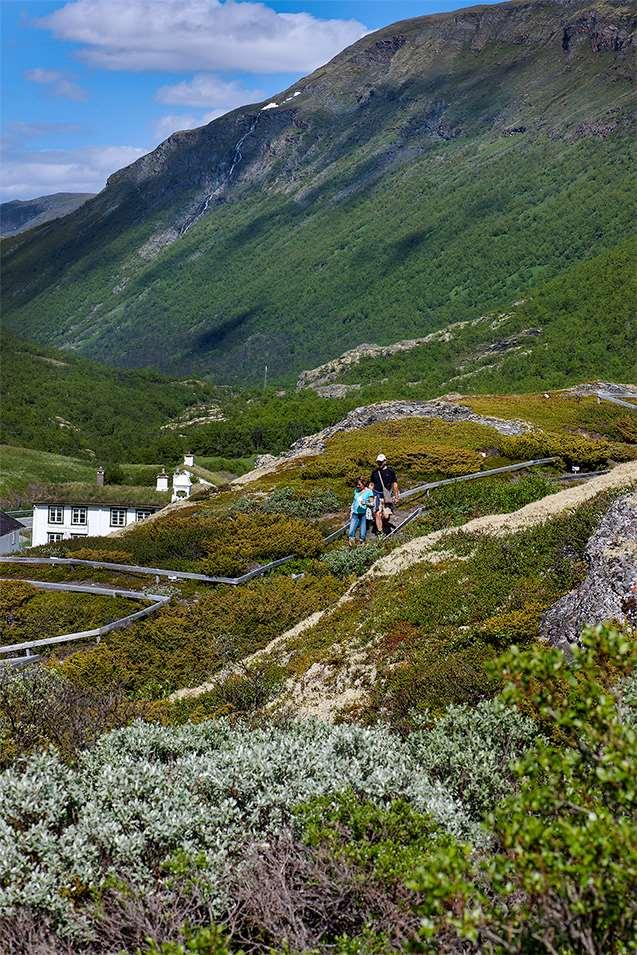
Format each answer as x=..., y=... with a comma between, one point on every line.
x=53, y=401
x=434, y=170
x=576, y=327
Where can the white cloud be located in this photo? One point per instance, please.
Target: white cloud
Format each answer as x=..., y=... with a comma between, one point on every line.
x=165, y=126
x=199, y=35
x=30, y=173
x=206, y=89
x=56, y=83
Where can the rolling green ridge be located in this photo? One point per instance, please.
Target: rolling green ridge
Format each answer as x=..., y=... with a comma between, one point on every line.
x=435, y=170
x=61, y=403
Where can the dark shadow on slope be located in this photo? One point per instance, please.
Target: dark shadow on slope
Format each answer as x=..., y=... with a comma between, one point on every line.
x=212, y=338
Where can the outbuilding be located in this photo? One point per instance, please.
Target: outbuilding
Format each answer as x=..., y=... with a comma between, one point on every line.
x=9, y=533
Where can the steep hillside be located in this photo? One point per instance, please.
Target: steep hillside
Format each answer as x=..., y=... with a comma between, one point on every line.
x=362, y=751
x=22, y=214
x=434, y=170
x=54, y=401
x=578, y=326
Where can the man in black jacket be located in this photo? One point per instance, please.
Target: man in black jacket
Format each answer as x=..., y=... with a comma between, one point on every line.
x=385, y=484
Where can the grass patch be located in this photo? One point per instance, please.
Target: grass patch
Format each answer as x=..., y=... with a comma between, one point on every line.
x=25, y=471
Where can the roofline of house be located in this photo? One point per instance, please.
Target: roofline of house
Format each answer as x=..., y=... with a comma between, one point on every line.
x=56, y=502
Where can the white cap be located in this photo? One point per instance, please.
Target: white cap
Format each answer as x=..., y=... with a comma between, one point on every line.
x=381, y=458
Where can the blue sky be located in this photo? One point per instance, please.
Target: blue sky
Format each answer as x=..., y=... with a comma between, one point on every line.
x=90, y=85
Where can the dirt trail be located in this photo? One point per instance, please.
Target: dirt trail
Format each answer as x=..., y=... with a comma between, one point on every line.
x=420, y=549
x=497, y=524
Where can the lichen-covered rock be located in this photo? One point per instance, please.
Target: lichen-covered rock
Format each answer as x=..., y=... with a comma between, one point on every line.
x=607, y=593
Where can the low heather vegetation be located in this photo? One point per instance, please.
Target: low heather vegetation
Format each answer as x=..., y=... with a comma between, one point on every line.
x=505, y=829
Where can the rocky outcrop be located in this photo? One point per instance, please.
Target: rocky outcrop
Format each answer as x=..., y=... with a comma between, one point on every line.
x=397, y=410
x=335, y=391
x=590, y=389
x=322, y=379
x=440, y=408
x=316, y=378
x=609, y=591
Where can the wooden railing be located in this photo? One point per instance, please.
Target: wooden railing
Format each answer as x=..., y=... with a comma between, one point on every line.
x=157, y=602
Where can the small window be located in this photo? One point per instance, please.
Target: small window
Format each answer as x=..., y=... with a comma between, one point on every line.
x=118, y=517
x=56, y=514
x=78, y=515
x=75, y=536
x=53, y=537
x=141, y=514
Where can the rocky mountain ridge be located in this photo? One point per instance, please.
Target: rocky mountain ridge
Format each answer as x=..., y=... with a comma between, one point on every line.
x=18, y=215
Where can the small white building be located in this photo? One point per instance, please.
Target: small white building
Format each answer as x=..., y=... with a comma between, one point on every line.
x=182, y=485
x=188, y=476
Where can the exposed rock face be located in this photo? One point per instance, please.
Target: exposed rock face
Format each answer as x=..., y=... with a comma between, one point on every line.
x=608, y=387
x=335, y=391
x=608, y=592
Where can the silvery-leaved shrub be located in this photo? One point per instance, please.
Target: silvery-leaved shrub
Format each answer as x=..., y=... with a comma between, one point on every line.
x=145, y=792
x=470, y=750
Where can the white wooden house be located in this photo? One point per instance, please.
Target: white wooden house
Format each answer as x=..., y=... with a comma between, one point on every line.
x=76, y=511
x=97, y=510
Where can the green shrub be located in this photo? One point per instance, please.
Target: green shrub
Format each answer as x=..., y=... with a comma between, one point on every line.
x=111, y=556
x=286, y=500
x=242, y=692
x=39, y=710
x=185, y=643
x=628, y=699
x=27, y=613
x=204, y=941
x=344, y=561
x=588, y=453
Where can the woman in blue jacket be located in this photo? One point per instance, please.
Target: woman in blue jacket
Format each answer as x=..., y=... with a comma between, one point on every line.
x=363, y=498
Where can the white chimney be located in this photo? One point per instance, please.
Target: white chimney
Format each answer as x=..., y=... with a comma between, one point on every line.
x=189, y=459
x=99, y=476
x=181, y=486
x=162, y=480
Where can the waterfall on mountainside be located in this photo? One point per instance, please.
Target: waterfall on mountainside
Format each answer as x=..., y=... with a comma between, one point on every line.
x=237, y=157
